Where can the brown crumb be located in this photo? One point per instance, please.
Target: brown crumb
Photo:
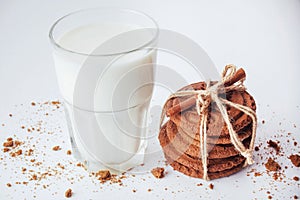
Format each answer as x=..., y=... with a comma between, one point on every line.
x=56, y=148
x=274, y=145
x=32, y=103
x=55, y=102
x=34, y=177
x=158, y=172
x=9, y=139
x=296, y=178
x=69, y=152
x=29, y=152
x=103, y=175
x=68, y=193
x=6, y=149
x=79, y=164
x=295, y=143
x=211, y=186
x=270, y=197
x=295, y=197
x=9, y=143
x=19, y=152
x=272, y=165
x=134, y=190
x=60, y=166
x=256, y=174
x=149, y=190
x=263, y=121
x=276, y=176
x=17, y=143
x=256, y=148
x=8, y=184
x=10, y=115
x=199, y=184
x=295, y=160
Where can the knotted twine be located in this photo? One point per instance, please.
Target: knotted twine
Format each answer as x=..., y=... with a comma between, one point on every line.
x=204, y=99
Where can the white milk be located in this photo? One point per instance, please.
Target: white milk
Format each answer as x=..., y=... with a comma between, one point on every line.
x=93, y=89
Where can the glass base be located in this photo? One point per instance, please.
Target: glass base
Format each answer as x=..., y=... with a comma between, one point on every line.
x=96, y=149
x=93, y=166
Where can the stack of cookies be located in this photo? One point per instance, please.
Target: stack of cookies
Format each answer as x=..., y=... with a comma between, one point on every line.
x=180, y=138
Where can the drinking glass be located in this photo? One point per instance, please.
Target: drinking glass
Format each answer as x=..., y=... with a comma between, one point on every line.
x=105, y=64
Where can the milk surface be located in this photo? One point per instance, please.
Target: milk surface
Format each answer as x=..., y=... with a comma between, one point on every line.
x=106, y=97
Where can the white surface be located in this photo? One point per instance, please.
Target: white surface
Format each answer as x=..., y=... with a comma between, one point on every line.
x=261, y=36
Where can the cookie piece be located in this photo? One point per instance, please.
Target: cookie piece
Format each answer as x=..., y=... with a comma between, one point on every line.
x=189, y=120
x=243, y=134
x=214, y=165
x=199, y=174
x=191, y=147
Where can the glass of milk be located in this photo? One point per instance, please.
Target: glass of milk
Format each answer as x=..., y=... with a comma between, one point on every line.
x=105, y=64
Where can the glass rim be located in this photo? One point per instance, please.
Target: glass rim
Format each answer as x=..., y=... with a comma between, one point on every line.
x=55, y=43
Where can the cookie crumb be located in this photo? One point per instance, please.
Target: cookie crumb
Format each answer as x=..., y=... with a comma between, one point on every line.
x=295, y=197
x=103, y=175
x=211, y=186
x=8, y=143
x=256, y=174
x=158, y=172
x=10, y=115
x=149, y=190
x=34, y=177
x=33, y=103
x=270, y=197
x=55, y=102
x=69, y=152
x=79, y=164
x=19, y=152
x=256, y=148
x=263, y=121
x=296, y=178
x=8, y=184
x=272, y=165
x=68, y=193
x=17, y=143
x=199, y=184
x=295, y=160
x=274, y=145
x=56, y=148
x=134, y=191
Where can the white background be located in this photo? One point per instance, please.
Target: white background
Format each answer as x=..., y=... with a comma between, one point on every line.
x=261, y=36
